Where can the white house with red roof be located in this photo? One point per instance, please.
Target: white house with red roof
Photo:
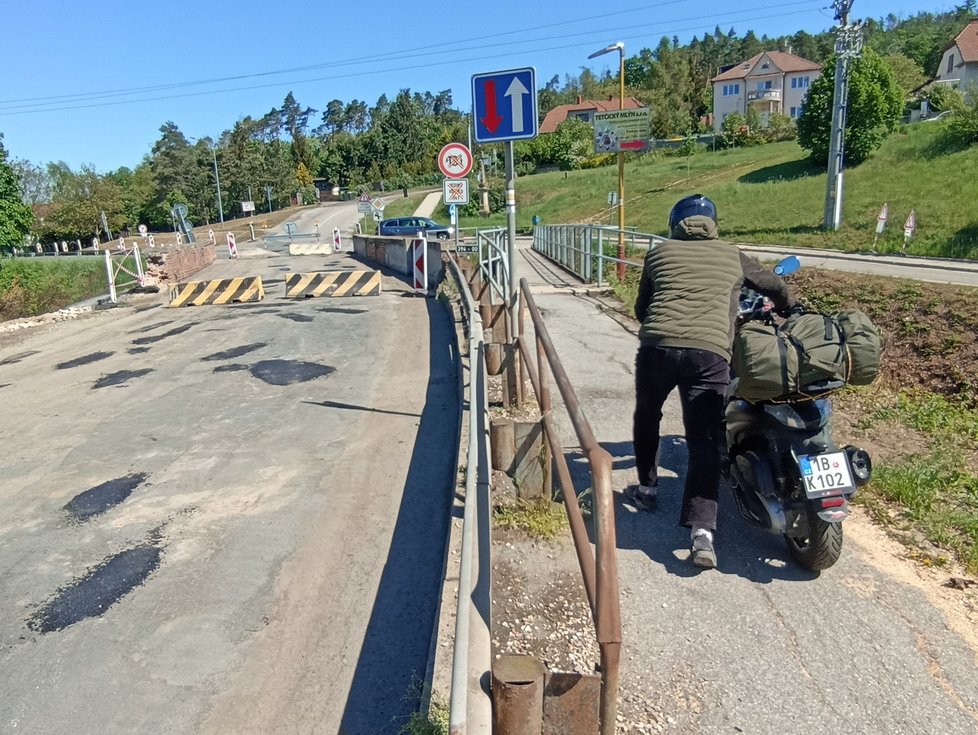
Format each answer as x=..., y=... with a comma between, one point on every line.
x=771, y=82
x=959, y=63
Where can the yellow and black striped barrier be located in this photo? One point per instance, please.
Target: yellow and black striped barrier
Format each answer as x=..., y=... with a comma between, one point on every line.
x=196, y=293
x=332, y=283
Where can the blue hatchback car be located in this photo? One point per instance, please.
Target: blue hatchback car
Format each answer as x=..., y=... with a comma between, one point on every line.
x=410, y=226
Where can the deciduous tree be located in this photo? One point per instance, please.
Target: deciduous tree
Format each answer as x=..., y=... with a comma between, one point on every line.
x=875, y=106
x=16, y=216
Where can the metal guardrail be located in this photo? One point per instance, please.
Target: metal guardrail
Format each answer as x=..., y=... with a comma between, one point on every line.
x=586, y=250
x=472, y=655
x=599, y=572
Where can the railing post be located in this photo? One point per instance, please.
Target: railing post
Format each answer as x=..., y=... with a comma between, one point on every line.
x=108, y=272
x=139, y=264
x=587, y=257
x=601, y=258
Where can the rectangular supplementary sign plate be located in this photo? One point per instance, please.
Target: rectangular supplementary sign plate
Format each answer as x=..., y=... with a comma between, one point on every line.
x=618, y=131
x=825, y=474
x=505, y=105
x=467, y=249
x=456, y=191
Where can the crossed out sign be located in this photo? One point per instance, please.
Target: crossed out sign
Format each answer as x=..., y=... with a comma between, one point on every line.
x=455, y=161
x=456, y=191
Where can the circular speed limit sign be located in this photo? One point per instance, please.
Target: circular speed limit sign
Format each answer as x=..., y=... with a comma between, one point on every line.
x=455, y=161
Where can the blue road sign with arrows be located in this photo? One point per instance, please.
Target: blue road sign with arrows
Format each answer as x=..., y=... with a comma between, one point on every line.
x=505, y=105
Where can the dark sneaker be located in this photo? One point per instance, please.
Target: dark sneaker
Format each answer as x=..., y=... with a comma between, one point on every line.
x=703, y=554
x=643, y=497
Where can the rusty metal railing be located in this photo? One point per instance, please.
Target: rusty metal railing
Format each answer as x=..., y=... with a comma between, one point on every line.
x=600, y=571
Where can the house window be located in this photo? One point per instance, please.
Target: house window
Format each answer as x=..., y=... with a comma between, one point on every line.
x=764, y=85
x=585, y=116
x=800, y=82
x=950, y=63
x=795, y=112
x=731, y=89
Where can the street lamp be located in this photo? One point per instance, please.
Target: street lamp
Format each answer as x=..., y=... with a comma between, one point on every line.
x=620, y=48
x=217, y=178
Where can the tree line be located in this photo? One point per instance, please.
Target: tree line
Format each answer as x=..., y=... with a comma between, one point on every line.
x=272, y=160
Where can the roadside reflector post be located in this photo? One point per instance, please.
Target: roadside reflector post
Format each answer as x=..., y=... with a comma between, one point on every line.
x=252, y=228
x=419, y=258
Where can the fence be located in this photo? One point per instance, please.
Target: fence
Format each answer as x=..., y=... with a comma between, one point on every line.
x=585, y=250
x=116, y=263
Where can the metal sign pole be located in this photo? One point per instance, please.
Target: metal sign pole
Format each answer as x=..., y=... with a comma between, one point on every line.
x=513, y=281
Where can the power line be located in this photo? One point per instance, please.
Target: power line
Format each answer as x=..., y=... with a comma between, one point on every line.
x=312, y=67
x=36, y=107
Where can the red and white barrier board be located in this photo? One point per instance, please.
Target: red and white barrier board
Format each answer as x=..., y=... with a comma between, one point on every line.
x=419, y=255
x=232, y=246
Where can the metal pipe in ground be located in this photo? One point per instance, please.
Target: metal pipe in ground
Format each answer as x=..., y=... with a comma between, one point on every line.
x=517, y=695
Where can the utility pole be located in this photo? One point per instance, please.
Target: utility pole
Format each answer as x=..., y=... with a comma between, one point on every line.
x=848, y=44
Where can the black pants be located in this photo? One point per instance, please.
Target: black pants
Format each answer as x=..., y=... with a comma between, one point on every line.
x=702, y=378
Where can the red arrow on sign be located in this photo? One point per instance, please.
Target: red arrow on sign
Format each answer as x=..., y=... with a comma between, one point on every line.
x=492, y=118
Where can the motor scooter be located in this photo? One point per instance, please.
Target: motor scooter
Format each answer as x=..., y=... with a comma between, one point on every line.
x=787, y=473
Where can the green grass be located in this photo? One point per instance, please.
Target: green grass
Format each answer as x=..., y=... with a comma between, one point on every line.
x=934, y=485
x=32, y=286
x=542, y=519
x=937, y=493
x=400, y=206
x=770, y=194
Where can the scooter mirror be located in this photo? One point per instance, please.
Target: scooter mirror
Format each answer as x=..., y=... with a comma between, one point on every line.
x=787, y=265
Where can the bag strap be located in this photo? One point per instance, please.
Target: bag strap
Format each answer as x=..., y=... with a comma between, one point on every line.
x=783, y=359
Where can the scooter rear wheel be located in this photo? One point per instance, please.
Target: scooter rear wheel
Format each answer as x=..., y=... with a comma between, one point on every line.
x=821, y=547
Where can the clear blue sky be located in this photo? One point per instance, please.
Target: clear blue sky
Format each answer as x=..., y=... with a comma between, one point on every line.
x=72, y=71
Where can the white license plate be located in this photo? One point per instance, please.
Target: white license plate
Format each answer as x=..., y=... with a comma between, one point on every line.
x=825, y=474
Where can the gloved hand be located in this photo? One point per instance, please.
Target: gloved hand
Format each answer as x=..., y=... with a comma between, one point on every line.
x=794, y=306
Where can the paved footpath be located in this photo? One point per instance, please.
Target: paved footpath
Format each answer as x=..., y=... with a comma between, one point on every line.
x=758, y=645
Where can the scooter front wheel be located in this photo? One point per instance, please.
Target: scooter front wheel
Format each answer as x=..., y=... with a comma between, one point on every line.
x=819, y=546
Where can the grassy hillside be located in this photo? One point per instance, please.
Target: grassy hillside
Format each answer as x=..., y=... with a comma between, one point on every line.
x=770, y=194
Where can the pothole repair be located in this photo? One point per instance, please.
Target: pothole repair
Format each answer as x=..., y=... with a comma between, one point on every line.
x=234, y=352
x=120, y=378
x=99, y=499
x=102, y=587
x=84, y=360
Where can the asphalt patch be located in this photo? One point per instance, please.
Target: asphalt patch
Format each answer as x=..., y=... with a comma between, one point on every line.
x=137, y=350
x=289, y=372
x=341, y=310
x=97, y=591
x=151, y=327
x=99, y=499
x=234, y=368
x=120, y=378
x=234, y=352
x=84, y=360
x=297, y=317
x=168, y=333
x=13, y=359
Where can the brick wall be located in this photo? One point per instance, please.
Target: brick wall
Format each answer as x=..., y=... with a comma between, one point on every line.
x=166, y=266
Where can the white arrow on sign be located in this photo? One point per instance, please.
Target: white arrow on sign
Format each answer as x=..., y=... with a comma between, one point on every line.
x=515, y=93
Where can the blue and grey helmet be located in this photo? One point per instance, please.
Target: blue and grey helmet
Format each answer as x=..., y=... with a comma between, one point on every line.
x=691, y=206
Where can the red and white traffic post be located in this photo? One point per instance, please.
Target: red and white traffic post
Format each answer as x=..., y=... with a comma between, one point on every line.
x=419, y=256
x=337, y=240
x=909, y=227
x=232, y=246
x=881, y=223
